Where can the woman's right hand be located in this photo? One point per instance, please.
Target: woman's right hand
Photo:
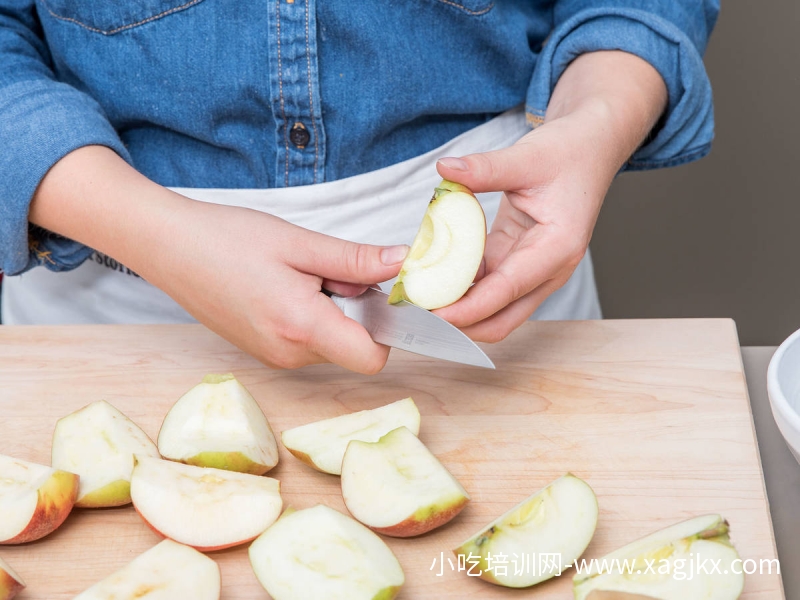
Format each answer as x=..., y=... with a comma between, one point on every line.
x=251, y=277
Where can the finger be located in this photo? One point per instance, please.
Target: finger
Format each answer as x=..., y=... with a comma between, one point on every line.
x=481, y=270
x=344, y=288
x=342, y=341
x=511, y=168
x=340, y=260
x=502, y=323
x=519, y=273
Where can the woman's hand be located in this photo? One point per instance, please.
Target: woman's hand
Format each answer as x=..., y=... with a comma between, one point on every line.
x=251, y=277
x=256, y=279
x=554, y=181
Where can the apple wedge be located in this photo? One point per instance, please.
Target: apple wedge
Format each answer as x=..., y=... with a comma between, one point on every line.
x=396, y=487
x=98, y=443
x=167, y=571
x=34, y=499
x=218, y=424
x=692, y=559
x=322, y=444
x=208, y=509
x=446, y=252
x=538, y=538
x=11, y=584
x=320, y=553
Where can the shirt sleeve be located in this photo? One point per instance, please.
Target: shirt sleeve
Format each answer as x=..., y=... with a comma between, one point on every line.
x=671, y=35
x=41, y=120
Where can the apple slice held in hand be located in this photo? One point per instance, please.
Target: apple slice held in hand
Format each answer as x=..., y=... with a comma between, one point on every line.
x=11, y=584
x=538, y=538
x=396, y=487
x=167, y=571
x=322, y=444
x=320, y=553
x=662, y=565
x=34, y=499
x=219, y=424
x=98, y=443
x=446, y=252
x=208, y=509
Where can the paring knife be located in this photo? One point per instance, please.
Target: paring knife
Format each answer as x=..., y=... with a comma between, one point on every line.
x=409, y=327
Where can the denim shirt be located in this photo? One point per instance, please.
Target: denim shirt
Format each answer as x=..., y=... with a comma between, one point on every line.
x=242, y=94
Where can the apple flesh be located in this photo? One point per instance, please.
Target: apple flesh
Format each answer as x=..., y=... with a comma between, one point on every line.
x=322, y=444
x=320, y=553
x=662, y=565
x=98, y=443
x=446, y=252
x=539, y=537
x=165, y=572
x=208, y=509
x=218, y=424
x=34, y=499
x=11, y=584
x=396, y=487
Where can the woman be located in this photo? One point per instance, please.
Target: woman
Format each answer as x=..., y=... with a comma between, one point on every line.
x=165, y=160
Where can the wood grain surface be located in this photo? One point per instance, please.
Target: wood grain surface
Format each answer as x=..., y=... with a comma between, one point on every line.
x=654, y=415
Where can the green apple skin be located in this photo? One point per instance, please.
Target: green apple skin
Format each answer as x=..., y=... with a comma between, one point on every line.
x=116, y=493
x=426, y=519
x=228, y=461
x=388, y=593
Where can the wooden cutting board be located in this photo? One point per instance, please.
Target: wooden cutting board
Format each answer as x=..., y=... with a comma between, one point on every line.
x=654, y=415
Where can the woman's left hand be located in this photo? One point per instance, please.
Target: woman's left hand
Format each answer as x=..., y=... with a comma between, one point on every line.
x=553, y=180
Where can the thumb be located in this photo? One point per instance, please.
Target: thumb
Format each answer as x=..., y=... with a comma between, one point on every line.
x=496, y=171
x=340, y=260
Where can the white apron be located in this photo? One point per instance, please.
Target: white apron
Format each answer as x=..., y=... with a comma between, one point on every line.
x=383, y=207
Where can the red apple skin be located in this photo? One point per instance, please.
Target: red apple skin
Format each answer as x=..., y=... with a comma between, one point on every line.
x=9, y=587
x=412, y=527
x=56, y=499
x=199, y=548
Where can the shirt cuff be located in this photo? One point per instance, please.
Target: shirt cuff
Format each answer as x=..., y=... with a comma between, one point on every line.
x=45, y=121
x=686, y=129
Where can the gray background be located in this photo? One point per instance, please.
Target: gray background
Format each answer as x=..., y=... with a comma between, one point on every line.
x=720, y=237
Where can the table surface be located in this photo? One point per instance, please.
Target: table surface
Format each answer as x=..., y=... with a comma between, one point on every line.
x=653, y=414
x=781, y=470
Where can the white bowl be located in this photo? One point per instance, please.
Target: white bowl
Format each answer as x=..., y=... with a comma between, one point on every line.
x=783, y=387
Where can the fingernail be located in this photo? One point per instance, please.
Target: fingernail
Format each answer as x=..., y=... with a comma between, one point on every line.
x=393, y=254
x=454, y=163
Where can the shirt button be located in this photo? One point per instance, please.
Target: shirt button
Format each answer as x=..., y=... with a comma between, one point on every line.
x=299, y=135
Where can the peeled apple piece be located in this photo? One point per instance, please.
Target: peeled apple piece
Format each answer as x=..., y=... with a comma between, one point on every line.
x=320, y=553
x=322, y=444
x=446, y=252
x=98, y=443
x=664, y=565
x=208, y=509
x=168, y=571
x=11, y=584
x=34, y=499
x=556, y=522
x=397, y=487
x=218, y=424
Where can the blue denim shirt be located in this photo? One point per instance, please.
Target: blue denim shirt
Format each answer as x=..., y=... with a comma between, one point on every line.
x=227, y=94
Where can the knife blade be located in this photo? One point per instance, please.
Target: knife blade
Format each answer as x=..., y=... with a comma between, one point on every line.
x=409, y=327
